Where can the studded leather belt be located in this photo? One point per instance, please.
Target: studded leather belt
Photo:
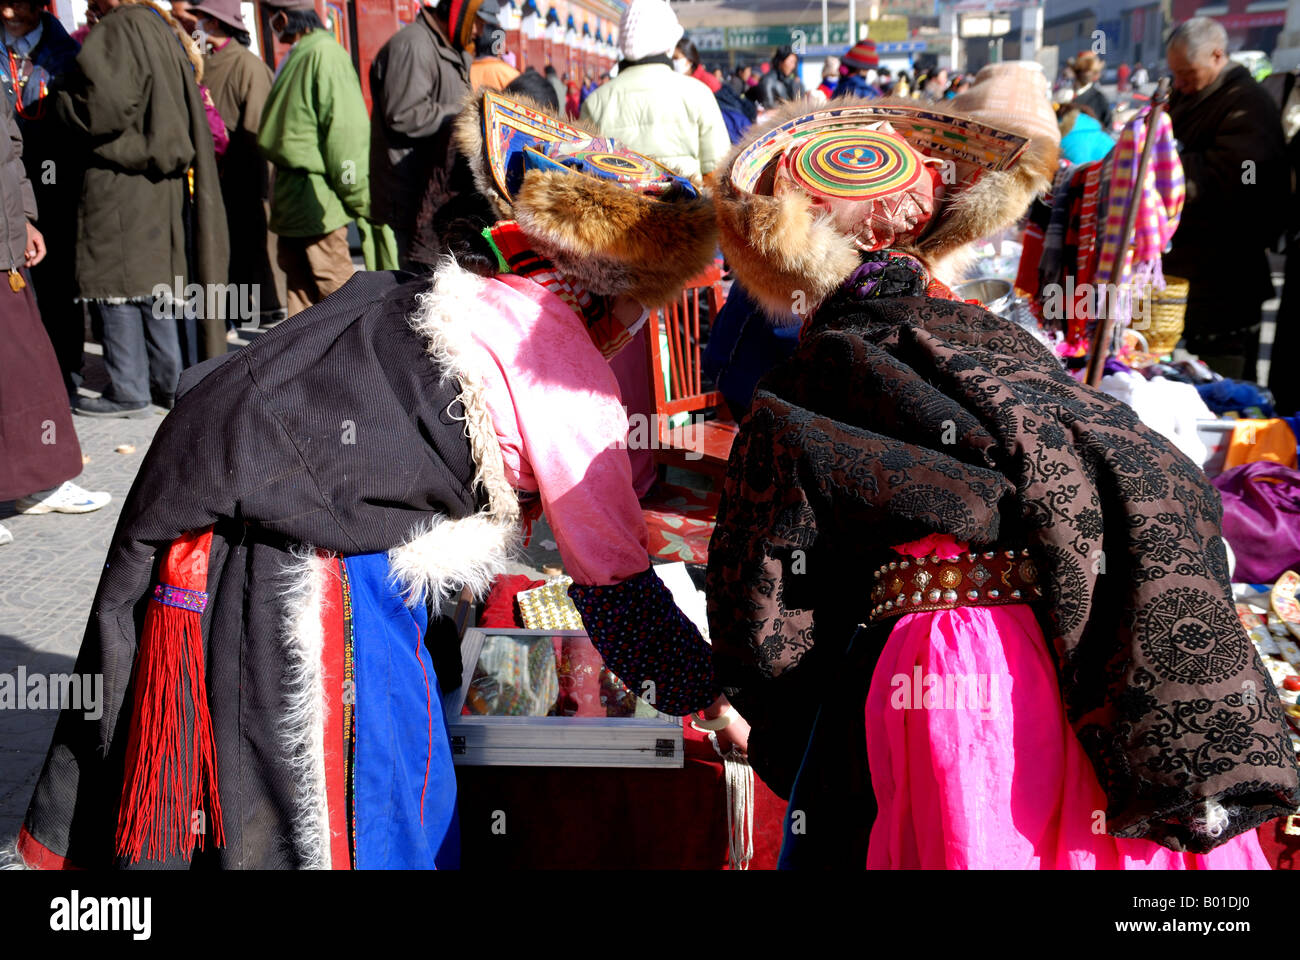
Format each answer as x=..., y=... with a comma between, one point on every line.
x=979, y=579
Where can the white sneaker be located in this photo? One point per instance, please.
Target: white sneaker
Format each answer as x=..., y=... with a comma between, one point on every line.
x=6, y=535
x=67, y=498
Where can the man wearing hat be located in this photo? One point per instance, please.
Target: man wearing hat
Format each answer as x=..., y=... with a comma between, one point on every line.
x=418, y=81
x=239, y=83
x=314, y=129
x=861, y=63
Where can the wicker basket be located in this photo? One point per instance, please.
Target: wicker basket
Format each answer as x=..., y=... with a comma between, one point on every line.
x=1165, y=310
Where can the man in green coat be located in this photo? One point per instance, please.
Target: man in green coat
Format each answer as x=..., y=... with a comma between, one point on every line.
x=316, y=131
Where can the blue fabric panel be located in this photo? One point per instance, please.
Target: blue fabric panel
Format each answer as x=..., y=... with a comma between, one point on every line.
x=400, y=733
x=744, y=344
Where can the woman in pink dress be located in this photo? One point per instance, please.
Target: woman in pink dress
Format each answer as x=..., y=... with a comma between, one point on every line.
x=976, y=613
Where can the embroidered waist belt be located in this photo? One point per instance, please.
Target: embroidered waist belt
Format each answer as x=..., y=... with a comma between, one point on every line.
x=984, y=579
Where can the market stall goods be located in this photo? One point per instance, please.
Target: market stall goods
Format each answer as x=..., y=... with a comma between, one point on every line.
x=267, y=621
x=1037, y=552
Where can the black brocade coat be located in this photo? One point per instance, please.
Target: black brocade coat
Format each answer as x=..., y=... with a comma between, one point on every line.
x=900, y=417
x=257, y=447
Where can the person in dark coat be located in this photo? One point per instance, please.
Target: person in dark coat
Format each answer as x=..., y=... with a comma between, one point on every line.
x=1285, y=91
x=780, y=84
x=534, y=86
x=240, y=82
x=39, y=452
x=136, y=110
x=1086, y=70
x=1234, y=159
x=253, y=564
x=38, y=54
x=418, y=81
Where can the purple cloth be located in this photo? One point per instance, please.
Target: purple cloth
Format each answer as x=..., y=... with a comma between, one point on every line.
x=1261, y=519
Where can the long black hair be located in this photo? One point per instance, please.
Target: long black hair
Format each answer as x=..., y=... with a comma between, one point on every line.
x=686, y=47
x=298, y=22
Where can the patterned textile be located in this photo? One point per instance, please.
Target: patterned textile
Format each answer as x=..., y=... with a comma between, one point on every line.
x=648, y=642
x=520, y=139
x=1159, y=211
x=680, y=522
x=889, y=273
x=548, y=607
x=610, y=331
x=902, y=417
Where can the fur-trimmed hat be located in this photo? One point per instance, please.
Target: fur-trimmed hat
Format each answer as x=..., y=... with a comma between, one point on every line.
x=613, y=220
x=785, y=244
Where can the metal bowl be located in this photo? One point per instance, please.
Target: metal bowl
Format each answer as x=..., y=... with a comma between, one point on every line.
x=995, y=295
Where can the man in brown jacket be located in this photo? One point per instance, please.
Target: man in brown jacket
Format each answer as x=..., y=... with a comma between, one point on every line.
x=239, y=82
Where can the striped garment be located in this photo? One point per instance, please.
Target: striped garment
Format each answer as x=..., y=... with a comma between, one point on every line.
x=1161, y=206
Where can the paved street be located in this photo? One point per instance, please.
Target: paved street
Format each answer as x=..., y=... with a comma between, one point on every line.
x=48, y=577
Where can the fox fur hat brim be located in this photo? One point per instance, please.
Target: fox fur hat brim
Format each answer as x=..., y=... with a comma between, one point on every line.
x=609, y=239
x=786, y=252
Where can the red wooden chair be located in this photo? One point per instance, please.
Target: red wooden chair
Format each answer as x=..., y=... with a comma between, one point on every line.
x=700, y=445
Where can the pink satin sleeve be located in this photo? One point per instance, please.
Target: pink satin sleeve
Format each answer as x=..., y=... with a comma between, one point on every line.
x=562, y=428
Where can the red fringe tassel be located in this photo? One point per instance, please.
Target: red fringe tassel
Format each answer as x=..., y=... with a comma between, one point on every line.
x=169, y=794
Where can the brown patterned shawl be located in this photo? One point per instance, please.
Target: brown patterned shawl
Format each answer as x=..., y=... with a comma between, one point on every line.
x=905, y=416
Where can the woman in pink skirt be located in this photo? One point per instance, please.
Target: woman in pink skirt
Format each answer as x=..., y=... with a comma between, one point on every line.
x=977, y=614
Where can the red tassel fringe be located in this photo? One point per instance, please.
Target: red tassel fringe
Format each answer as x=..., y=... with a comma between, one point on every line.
x=169, y=794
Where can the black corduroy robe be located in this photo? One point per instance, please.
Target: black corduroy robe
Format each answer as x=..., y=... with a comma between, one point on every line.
x=336, y=431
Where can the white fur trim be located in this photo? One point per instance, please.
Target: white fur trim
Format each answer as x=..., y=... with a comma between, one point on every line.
x=1215, y=820
x=10, y=858
x=302, y=727
x=451, y=554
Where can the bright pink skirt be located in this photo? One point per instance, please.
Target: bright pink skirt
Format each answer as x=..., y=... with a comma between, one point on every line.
x=975, y=766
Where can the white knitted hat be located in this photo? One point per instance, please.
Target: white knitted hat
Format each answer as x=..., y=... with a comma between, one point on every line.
x=648, y=27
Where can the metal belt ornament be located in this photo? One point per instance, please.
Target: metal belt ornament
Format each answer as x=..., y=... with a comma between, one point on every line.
x=976, y=579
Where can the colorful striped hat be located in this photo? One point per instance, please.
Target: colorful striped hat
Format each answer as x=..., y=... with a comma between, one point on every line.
x=862, y=56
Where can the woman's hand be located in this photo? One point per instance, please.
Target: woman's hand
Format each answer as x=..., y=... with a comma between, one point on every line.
x=734, y=735
x=35, y=250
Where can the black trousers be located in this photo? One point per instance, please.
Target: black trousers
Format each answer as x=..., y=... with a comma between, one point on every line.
x=64, y=319
x=1282, y=377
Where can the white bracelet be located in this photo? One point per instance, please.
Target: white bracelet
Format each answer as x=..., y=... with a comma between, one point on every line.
x=721, y=721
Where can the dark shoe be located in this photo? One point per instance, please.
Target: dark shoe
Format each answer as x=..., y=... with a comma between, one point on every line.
x=102, y=407
x=165, y=402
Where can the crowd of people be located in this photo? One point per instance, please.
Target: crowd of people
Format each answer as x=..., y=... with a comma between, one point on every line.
x=945, y=478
